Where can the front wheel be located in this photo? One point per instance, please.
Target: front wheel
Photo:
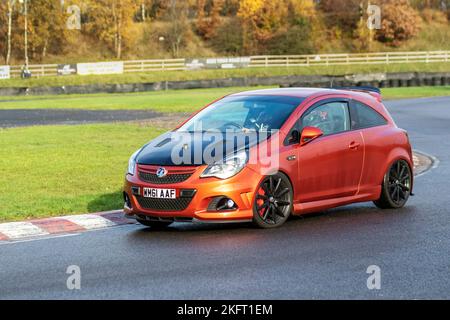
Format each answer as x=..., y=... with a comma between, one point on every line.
x=273, y=202
x=396, y=186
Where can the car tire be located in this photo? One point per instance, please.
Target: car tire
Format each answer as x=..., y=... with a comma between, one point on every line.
x=396, y=186
x=155, y=224
x=273, y=202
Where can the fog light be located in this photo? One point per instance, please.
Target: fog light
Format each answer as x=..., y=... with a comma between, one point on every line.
x=222, y=203
x=230, y=204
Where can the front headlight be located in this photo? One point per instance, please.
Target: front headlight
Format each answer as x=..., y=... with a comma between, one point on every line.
x=230, y=167
x=132, y=163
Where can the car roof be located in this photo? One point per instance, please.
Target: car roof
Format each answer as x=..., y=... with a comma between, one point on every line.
x=292, y=92
x=304, y=92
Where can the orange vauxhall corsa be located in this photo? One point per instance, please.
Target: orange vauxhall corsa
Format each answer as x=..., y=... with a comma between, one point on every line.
x=263, y=155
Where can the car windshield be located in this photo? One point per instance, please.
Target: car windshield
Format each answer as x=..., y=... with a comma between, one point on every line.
x=244, y=113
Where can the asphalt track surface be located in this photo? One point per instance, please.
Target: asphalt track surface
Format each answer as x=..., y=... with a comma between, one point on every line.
x=324, y=255
x=31, y=117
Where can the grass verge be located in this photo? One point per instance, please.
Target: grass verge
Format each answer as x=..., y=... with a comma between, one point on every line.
x=162, y=101
x=57, y=170
x=171, y=101
x=415, y=92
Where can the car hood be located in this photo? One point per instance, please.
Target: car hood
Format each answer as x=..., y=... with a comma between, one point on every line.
x=194, y=149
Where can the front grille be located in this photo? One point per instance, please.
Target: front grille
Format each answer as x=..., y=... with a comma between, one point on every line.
x=179, y=204
x=169, y=179
x=147, y=173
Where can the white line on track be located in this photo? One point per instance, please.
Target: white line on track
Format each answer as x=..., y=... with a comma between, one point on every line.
x=3, y=243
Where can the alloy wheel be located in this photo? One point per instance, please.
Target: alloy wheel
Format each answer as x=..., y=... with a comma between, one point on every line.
x=399, y=183
x=273, y=202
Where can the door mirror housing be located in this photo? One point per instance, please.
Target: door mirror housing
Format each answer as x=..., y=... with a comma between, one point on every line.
x=309, y=134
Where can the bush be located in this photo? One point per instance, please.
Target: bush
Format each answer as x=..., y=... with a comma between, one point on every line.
x=229, y=38
x=295, y=40
x=343, y=14
x=400, y=22
x=430, y=15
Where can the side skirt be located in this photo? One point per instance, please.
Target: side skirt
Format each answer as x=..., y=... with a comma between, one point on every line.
x=309, y=207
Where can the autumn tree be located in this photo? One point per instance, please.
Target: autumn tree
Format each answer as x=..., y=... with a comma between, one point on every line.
x=48, y=29
x=363, y=36
x=431, y=4
x=201, y=23
x=9, y=12
x=179, y=29
x=110, y=21
x=305, y=33
x=283, y=26
x=157, y=8
x=149, y=9
x=3, y=29
x=341, y=14
x=230, y=7
x=261, y=20
x=207, y=22
x=400, y=22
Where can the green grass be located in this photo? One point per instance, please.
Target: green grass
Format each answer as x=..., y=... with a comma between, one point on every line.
x=171, y=101
x=55, y=170
x=415, y=92
x=163, y=101
x=217, y=74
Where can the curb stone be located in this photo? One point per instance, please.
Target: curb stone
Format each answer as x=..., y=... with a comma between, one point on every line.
x=13, y=231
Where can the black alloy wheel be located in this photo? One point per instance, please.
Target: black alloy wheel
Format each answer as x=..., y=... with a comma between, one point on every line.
x=396, y=187
x=273, y=201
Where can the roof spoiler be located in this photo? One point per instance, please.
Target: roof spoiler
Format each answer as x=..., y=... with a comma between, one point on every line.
x=373, y=91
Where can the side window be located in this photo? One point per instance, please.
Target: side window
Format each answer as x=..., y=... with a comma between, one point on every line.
x=331, y=118
x=364, y=116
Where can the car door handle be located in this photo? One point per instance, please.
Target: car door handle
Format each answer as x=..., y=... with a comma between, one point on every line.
x=354, y=145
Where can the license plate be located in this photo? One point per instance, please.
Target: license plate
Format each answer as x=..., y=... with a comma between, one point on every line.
x=157, y=193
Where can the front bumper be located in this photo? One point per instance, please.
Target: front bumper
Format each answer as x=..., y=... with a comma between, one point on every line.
x=240, y=188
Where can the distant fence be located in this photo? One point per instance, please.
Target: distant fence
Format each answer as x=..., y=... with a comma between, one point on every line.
x=350, y=59
x=38, y=70
x=136, y=66
x=154, y=65
x=46, y=70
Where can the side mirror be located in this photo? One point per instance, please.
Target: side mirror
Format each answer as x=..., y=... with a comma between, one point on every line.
x=309, y=134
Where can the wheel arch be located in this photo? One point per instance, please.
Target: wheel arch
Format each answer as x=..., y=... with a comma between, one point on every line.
x=289, y=178
x=394, y=155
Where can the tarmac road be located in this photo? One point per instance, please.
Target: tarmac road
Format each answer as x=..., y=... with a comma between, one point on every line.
x=32, y=117
x=320, y=256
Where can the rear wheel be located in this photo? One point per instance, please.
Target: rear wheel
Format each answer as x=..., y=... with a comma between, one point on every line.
x=155, y=224
x=396, y=187
x=273, y=202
